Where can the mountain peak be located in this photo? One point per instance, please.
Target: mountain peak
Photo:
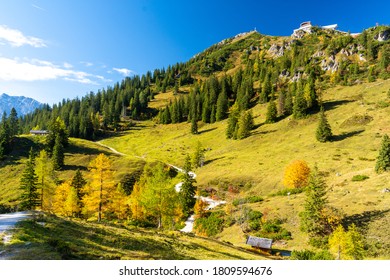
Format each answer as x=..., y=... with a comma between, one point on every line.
x=23, y=105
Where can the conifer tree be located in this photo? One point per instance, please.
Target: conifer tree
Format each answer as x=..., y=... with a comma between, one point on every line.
x=158, y=197
x=272, y=112
x=245, y=125
x=299, y=107
x=101, y=187
x=58, y=154
x=13, y=122
x=43, y=170
x=187, y=190
x=383, y=160
x=194, y=125
x=78, y=183
x=324, y=132
x=28, y=185
x=312, y=219
x=288, y=105
x=232, y=122
x=222, y=106
x=198, y=158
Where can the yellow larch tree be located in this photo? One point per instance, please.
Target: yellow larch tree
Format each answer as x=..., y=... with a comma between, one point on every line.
x=296, y=174
x=65, y=200
x=100, y=189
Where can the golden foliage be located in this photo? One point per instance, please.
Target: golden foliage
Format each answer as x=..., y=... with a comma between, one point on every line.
x=101, y=188
x=296, y=174
x=65, y=201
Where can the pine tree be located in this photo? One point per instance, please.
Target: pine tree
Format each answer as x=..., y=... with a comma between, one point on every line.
x=13, y=122
x=272, y=112
x=222, y=106
x=58, y=154
x=312, y=219
x=324, y=132
x=28, y=185
x=245, y=125
x=232, y=122
x=187, y=190
x=383, y=160
x=194, y=125
x=299, y=107
x=197, y=158
x=78, y=183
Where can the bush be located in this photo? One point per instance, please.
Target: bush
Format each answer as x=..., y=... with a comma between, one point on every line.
x=248, y=199
x=310, y=255
x=210, y=225
x=359, y=177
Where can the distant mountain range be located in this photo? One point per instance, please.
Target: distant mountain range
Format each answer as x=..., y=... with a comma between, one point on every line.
x=23, y=105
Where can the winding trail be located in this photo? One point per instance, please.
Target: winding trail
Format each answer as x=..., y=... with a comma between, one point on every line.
x=189, y=224
x=7, y=222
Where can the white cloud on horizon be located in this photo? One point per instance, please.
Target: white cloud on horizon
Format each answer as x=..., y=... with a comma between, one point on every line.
x=123, y=71
x=40, y=70
x=16, y=38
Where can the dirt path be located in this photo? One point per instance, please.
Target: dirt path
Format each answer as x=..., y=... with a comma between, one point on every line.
x=189, y=224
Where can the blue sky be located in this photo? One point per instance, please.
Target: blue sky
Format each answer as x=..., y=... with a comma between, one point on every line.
x=50, y=50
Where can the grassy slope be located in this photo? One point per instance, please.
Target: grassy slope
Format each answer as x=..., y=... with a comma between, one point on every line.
x=261, y=159
x=78, y=155
x=57, y=238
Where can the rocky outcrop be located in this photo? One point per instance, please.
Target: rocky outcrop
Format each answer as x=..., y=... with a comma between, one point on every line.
x=383, y=36
x=330, y=64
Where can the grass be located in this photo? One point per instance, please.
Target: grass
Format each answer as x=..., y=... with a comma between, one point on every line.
x=51, y=237
x=260, y=160
x=78, y=155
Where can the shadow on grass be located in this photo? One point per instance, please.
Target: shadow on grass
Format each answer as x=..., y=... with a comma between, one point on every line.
x=212, y=160
x=362, y=220
x=330, y=105
x=345, y=135
x=207, y=130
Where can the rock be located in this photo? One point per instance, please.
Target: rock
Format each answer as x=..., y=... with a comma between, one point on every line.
x=361, y=57
x=318, y=54
x=386, y=190
x=383, y=36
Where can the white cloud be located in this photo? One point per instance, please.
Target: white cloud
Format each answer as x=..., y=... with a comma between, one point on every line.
x=38, y=7
x=123, y=71
x=40, y=70
x=86, y=63
x=17, y=39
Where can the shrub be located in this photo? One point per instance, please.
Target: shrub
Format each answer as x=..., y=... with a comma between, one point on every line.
x=310, y=255
x=248, y=199
x=359, y=177
x=210, y=225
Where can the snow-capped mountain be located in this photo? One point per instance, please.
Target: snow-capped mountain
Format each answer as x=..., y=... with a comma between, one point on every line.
x=23, y=105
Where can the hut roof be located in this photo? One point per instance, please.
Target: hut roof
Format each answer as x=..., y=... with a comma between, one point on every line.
x=259, y=242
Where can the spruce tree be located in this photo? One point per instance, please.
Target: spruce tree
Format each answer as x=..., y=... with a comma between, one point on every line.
x=232, y=122
x=13, y=122
x=383, y=160
x=222, y=106
x=187, y=190
x=312, y=220
x=58, y=154
x=245, y=125
x=272, y=112
x=324, y=132
x=28, y=185
x=299, y=107
x=194, y=125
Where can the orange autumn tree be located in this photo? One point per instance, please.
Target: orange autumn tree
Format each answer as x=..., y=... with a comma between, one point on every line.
x=296, y=174
x=101, y=188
